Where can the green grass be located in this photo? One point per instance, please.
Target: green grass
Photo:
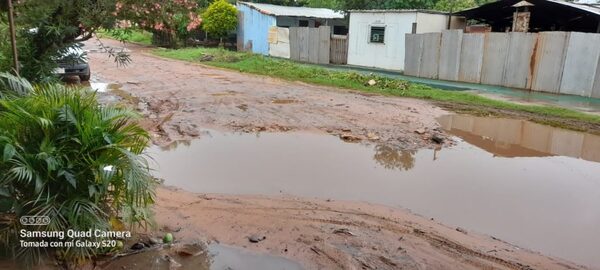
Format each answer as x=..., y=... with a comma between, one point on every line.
x=289, y=70
x=130, y=35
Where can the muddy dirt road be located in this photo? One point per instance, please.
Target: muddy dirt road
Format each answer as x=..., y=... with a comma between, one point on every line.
x=325, y=234
x=177, y=97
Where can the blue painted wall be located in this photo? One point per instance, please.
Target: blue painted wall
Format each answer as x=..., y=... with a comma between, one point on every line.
x=255, y=28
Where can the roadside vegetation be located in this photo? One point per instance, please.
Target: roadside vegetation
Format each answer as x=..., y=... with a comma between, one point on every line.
x=132, y=35
x=64, y=156
x=453, y=100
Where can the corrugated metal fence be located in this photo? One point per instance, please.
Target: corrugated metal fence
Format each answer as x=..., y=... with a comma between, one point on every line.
x=556, y=62
x=310, y=44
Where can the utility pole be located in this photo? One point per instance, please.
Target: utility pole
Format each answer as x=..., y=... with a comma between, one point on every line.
x=13, y=38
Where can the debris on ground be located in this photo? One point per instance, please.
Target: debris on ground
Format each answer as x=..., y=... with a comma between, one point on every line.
x=256, y=238
x=372, y=136
x=168, y=238
x=194, y=249
x=437, y=138
x=459, y=229
x=348, y=137
x=138, y=246
x=206, y=57
x=344, y=231
x=420, y=131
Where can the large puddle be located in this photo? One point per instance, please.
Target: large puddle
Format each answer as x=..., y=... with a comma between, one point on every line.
x=528, y=184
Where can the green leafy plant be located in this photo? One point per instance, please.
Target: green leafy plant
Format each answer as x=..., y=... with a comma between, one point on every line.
x=219, y=19
x=64, y=156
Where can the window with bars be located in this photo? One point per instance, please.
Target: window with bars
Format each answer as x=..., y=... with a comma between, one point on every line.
x=377, y=34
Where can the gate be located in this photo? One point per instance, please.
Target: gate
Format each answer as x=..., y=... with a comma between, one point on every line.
x=310, y=45
x=339, y=50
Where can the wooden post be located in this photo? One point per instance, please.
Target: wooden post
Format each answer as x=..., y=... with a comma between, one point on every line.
x=13, y=38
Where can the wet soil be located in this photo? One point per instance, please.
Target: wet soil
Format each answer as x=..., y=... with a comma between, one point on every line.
x=178, y=97
x=499, y=172
x=326, y=234
x=205, y=257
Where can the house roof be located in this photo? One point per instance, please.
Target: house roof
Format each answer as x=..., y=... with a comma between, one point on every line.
x=398, y=11
x=590, y=8
x=285, y=11
x=546, y=15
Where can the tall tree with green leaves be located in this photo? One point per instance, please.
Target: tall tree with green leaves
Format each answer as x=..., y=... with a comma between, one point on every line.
x=219, y=19
x=454, y=5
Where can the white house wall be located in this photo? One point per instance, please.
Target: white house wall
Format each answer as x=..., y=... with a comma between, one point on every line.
x=390, y=54
x=387, y=55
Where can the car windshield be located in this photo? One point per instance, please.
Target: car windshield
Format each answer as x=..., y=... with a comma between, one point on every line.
x=73, y=54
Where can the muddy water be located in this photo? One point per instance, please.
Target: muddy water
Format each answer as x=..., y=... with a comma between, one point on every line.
x=216, y=257
x=536, y=187
x=104, y=87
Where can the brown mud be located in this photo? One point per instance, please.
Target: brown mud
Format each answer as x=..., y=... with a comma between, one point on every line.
x=178, y=98
x=326, y=234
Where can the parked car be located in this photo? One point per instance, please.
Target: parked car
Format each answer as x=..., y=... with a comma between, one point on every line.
x=73, y=62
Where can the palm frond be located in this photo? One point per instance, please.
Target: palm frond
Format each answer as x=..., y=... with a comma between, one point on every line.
x=13, y=85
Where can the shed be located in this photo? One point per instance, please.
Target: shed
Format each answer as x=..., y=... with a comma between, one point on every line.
x=546, y=15
x=376, y=38
x=255, y=20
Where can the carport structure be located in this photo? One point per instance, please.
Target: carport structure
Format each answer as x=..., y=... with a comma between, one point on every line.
x=546, y=15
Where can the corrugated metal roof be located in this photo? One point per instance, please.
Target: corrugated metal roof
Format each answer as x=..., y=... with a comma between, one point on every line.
x=398, y=11
x=274, y=10
x=585, y=7
x=591, y=8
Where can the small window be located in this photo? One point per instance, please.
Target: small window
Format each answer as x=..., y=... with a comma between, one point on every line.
x=414, y=28
x=303, y=23
x=377, y=34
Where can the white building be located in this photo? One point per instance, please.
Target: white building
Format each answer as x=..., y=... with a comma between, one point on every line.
x=376, y=37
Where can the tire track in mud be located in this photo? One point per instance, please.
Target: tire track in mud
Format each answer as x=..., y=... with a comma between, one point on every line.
x=441, y=243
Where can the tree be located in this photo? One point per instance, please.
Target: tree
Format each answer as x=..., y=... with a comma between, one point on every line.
x=159, y=15
x=219, y=19
x=385, y=4
x=331, y=4
x=282, y=2
x=454, y=5
x=47, y=27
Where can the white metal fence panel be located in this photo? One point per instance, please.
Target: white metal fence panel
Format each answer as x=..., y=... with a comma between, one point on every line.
x=581, y=62
x=414, y=50
x=549, y=61
x=596, y=90
x=517, y=68
x=430, y=58
x=471, y=58
x=450, y=50
x=557, y=62
x=494, y=58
